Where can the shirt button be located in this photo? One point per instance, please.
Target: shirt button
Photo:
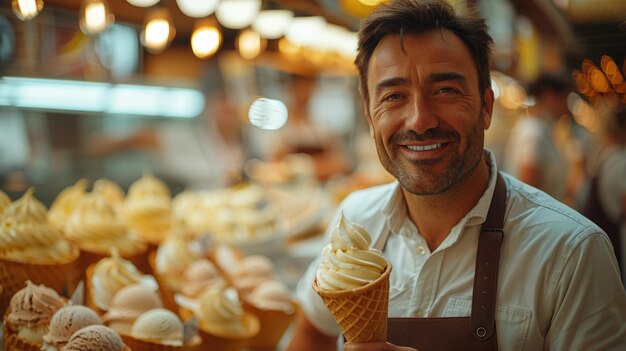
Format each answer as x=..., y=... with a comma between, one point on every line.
x=421, y=250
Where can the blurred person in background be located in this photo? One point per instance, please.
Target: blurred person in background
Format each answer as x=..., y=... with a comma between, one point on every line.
x=205, y=153
x=606, y=200
x=532, y=154
x=553, y=280
x=302, y=134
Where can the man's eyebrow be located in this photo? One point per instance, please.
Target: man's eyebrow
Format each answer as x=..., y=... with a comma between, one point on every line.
x=390, y=82
x=446, y=76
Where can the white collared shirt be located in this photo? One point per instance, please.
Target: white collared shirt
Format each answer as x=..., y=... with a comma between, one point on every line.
x=558, y=284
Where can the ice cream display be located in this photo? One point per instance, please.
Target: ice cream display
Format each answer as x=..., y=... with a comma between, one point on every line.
x=174, y=255
x=224, y=325
x=111, y=192
x=275, y=307
x=65, y=203
x=159, y=326
x=95, y=338
x=108, y=276
x=353, y=281
x=65, y=322
x=198, y=276
x=32, y=249
x=148, y=209
x=252, y=271
x=128, y=304
x=27, y=318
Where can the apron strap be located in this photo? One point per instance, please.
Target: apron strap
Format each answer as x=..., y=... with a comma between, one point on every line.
x=483, y=323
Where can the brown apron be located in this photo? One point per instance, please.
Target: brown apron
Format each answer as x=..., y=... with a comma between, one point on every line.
x=477, y=332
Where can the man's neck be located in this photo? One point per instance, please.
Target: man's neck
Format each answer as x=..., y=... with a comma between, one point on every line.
x=436, y=215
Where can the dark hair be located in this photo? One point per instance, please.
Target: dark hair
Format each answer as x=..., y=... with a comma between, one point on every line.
x=420, y=16
x=549, y=81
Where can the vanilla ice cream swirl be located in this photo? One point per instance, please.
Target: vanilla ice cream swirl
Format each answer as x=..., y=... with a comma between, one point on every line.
x=220, y=309
x=148, y=208
x=27, y=236
x=348, y=262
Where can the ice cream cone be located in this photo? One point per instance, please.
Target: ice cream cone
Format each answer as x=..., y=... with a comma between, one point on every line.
x=273, y=325
x=213, y=341
x=361, y=313
x=87, y=258
x=13, y=276
x=12, y=342
x=167, y=292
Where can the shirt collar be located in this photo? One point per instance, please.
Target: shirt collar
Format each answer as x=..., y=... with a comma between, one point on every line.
x=398, y=222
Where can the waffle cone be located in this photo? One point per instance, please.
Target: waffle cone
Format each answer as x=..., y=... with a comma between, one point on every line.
x=13, y=276
x=274, y=324
x=167, y=291
x=361, y=313
x=87, y=258
x=213, y=341
x=13, y=343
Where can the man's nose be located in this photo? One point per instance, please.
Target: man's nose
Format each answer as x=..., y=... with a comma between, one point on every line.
x=421, y=117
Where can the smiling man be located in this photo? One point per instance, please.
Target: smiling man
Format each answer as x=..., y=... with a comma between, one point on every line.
x=480, y=260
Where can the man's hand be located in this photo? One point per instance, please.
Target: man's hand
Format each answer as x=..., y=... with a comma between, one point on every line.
x=374, y=346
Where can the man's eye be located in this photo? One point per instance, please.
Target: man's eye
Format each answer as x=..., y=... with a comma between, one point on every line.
x=392, y=97
x=446, y=90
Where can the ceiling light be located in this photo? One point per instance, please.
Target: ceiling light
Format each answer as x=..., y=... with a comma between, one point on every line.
x=250, y=44
x=197, y=8
x=142, y=3
x=158, y=30
x=206, y=39
x=237, y=14
x=304, y=31
x=26, y=9
x=95, y=16
x=271, y=24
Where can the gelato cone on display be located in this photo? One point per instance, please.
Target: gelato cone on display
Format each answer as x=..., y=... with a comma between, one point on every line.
x=111, y=191
x=32, y=249
x=199, y=276
x=223, y=323
x=5, y=201
x=128, y=304
x=110, y=275
x=95, y=338
x=252, y=271
x=353, y=282
x=275, y=307
x=28, y=316
x=226, y=258
x=65, y=322
x=147, y=209
x=96, y=229
x=158, y=326
x=65, y=203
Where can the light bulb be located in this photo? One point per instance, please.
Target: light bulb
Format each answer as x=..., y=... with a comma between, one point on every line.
x=95, y=16
x=197, y=8
x=26, y=9
x=206, y=39
x=158, y=31
x=250, y=44
x=237, y=14
x=271, y=24
x=142, y=3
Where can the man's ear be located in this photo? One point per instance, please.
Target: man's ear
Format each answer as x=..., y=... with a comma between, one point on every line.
x=488, y=107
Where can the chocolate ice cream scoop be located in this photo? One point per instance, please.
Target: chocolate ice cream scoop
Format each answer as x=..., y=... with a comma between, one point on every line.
x=66, y=321
x=95, y=338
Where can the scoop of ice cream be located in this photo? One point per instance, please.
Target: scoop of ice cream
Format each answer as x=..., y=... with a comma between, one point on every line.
x=32, y=308
x=159, y=326
x=66, y=321
x=174, y=255
x=252, y=271
x=95, y=338
x=112, y=274
x=27, y=236
x=5, y=200
x=272, y=295
x=148, y=208
x=128, y=304
x=198, y=276
x=348, y=262
x=65, y=203
x=111, y=192
x=220, y=310
x=94, y=227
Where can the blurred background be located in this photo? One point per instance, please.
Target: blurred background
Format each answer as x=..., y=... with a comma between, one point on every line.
x=210, y=94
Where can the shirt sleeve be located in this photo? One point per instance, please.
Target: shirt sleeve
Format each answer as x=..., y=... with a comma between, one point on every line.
x=590, y=302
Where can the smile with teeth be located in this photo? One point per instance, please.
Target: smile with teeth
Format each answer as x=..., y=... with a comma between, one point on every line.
x=424, y=147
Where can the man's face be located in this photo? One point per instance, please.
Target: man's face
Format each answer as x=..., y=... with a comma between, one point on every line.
x=425, y=110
